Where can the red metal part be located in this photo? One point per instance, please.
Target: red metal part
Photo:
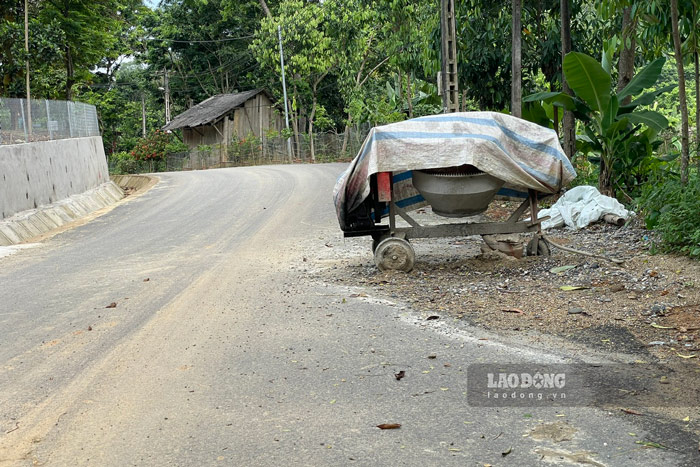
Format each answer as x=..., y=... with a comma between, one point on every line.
x=384, y=186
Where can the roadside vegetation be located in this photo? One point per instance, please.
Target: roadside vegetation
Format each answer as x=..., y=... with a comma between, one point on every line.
x=628, y=91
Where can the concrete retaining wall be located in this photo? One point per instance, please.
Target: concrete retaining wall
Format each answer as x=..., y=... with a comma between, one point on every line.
x=27, y=225
x=41, y=173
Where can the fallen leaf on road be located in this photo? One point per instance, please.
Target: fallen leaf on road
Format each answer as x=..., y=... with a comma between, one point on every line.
x=507, y=451
x=399, y=375
x=687, y=356
x=432, y=317
x=89, y=328
x=513, y=310
x=432, y=357
x=658, y=326
x=651, y=444
x=146, y=279
x=567, y=288
x=631, y=412
x=389, y=426
x=686, y=419
x=112, y=305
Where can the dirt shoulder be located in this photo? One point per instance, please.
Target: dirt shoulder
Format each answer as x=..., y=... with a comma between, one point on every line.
x=649, y=305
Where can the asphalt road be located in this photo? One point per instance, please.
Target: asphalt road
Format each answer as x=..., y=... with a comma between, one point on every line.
x=220, y=350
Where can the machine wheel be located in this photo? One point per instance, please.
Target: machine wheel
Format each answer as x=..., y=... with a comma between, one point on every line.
x=377, y=240
x=542, y=247
x=394, y=254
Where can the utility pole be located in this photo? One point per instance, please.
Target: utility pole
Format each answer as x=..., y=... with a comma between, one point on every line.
x=448, y=78
x=284, y=89
x=166, y=85
x=516, y=90
x=28, y=123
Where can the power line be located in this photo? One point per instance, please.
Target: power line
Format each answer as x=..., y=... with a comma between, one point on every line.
x=196, y=41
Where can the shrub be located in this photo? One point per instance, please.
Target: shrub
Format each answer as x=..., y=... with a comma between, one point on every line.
x=123, y=163
x=175, y=146
x=153, y=147
x=671, y=209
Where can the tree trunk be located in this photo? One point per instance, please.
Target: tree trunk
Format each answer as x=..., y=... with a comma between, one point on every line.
x=681, y=92
x=555, y=111
x=568, y=124
x=697, y=106
x=605, y=180
x=625, y=67
x=311, y=121
x=409, y=95
x=296, y=149
x=311, y=132
x=400, y=89
x=70, y=74
x=263, y=5
x=346, y=136
x=516, y=62
x=696, y=60
x=296, y=124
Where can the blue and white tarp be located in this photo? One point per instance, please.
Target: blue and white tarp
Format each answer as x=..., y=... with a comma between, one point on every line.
x=523, y=154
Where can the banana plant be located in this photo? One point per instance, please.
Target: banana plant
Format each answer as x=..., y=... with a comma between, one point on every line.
x=614, y=122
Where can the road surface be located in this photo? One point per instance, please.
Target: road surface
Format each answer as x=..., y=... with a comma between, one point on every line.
x=182, y=328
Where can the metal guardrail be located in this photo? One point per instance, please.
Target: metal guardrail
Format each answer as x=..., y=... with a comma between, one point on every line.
x=50, y=120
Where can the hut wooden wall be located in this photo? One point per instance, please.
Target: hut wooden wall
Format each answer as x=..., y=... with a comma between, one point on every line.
x=205, y=134
x=256, y=117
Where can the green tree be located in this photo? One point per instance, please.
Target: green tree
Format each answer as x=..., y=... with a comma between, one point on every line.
x=90, y=30
x=309, y=54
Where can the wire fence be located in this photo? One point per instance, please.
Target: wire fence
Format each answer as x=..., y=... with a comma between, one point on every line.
x=328, y=147
x=23, y=121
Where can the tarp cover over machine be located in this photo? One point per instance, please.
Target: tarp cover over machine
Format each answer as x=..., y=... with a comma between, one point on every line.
x=379, y=182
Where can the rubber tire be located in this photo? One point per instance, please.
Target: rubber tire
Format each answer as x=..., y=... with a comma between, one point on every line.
x=542, y=248
x=394, y=254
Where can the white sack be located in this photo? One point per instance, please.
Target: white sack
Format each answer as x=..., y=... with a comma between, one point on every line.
x=580, y=207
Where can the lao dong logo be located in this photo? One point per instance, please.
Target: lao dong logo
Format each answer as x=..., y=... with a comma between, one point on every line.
x=526, y=381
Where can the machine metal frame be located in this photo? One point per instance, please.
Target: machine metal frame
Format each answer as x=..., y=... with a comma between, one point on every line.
x=382, y=191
